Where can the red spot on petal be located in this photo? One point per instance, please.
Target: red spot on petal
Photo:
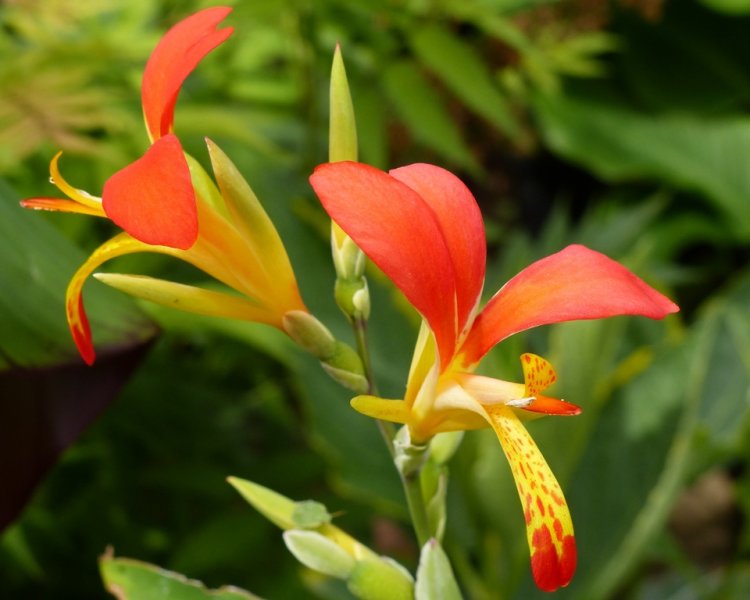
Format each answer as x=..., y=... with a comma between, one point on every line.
x=540, y=505
x=558, y=529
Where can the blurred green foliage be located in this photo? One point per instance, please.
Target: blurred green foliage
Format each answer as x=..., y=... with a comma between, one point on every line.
x=621, y=125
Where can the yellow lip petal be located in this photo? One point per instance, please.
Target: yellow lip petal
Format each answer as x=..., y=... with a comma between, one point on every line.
x=549, y=528
x=395, y=411
x=189, y=298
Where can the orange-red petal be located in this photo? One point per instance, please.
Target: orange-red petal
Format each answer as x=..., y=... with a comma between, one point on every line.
x=549, y=528
x=153, y=198
x=176, y=55
x=400, y=233
x=575, y=283
x=461, y=222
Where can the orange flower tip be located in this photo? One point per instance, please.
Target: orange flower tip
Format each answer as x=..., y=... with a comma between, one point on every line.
x=153, y=198
x=552, y=570
x=552, y=406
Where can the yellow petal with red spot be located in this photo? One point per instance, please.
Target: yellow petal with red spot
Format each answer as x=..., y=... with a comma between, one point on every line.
x=549, y=528
x=538, y=374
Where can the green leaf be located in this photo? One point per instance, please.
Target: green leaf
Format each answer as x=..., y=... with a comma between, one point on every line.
x=48, y=396
x=424, y=113
x=464, y=72
x=36, y=262
x=435, y=576
x=619, y=144
x=129, y=579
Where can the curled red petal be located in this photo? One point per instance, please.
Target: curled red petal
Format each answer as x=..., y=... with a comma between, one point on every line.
x=153, y=198
x=400, y=233
x=176, y=55
x=573, y=284
x=461, y=222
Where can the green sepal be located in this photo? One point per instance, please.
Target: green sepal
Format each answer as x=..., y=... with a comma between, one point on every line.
x=319, y=553
x=435, y=577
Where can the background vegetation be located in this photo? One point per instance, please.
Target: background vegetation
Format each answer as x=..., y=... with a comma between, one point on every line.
x=621, y=125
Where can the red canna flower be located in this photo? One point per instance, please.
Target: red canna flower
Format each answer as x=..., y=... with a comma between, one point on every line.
x=168, y=207
x=423, y=228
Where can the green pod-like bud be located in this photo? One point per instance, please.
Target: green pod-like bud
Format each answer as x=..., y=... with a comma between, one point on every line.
x=353, y=298
x=310, y=334
x=380, y=579
x=444, y=445
x=319, y=553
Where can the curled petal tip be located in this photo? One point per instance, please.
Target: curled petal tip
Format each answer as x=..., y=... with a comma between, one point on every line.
x=80, y=329
x=174, y=58
x=153, y=198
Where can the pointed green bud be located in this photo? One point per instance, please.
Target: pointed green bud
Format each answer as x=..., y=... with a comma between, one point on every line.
x=380, y=579
x=435, y=577
x=273, y=506
x=310, y=334
x=343, y=128
x=319, y=553
x=444, y=445
x=309, y=514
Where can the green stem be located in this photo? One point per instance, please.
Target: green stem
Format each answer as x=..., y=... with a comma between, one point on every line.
x=409, y=474
x=387, y=430
x=415, y=501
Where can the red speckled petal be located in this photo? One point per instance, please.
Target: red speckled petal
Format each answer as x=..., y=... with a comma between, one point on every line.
x=576, y=283
x=400, y=233
x=176, y=55
x=153, y=198
x=463, y=229
x=549, y=529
